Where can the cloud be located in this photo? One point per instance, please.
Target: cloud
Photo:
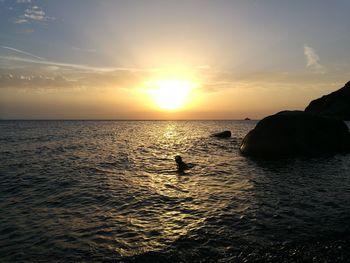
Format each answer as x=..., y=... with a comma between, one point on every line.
x=313, y=60
x=23, y=1
x=48, y=78
x=216, y=81
x=21, y=21
x=36, y=13
x=79, y=67
x=21, y=72
x=67, y=65
x=23, y=80
x=22, y=52
x=33, y=13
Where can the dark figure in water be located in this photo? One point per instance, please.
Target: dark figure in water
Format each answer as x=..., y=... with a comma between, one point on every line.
x=181, y=165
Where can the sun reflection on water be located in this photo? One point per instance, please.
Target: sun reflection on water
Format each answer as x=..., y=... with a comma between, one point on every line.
x=113, y=190
x=168, y=205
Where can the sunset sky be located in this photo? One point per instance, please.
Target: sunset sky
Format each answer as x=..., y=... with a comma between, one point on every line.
x=223, y=59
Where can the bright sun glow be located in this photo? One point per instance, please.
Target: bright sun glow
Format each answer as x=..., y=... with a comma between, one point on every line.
x=170, y=94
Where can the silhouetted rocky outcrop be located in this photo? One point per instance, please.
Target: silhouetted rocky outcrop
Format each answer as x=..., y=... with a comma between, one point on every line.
x=292, y=133
x=224, y=134
x=335, y=104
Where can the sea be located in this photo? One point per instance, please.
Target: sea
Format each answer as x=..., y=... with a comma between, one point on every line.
x=109, y=191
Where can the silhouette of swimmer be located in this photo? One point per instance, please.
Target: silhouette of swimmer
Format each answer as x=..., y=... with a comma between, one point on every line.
x=181, y=165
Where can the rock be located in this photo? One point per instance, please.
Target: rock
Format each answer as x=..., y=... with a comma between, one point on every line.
x=247, y=119
x=292, y=133
x=335, y=104
x=224, y=134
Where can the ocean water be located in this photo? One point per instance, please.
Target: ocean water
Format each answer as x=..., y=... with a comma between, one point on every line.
x=108, y=191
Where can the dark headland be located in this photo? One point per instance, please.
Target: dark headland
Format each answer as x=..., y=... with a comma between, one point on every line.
x=335, y=104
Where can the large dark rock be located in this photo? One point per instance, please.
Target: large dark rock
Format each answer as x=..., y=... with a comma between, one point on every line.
x=335, y=104
x=292, y=133
x=224, y=134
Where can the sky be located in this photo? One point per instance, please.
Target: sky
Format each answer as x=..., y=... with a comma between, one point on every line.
x=104, y=59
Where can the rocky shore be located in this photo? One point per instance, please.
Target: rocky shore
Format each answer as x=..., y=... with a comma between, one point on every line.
x=317, y=130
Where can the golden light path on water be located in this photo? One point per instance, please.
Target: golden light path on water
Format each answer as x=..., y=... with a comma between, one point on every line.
x=173, y=204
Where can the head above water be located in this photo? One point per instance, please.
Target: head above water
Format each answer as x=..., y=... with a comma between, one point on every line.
x=178, y=159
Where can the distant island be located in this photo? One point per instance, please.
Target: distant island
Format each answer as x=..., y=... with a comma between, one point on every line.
x=335, y=104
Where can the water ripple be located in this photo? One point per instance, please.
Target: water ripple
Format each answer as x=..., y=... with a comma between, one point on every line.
x=106, y=191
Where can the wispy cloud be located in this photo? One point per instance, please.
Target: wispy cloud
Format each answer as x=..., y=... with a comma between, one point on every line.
x=216, y=81
x=20, y=80
x=22, y=52
x=36, y=13
x=23, y=1
x=21, y=20
x=49, y=77
x=68, y=65
x=31, y=72
x=33, y=13
x=313, y=60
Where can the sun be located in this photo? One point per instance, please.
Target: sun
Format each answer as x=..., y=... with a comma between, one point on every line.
x=170, y=94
